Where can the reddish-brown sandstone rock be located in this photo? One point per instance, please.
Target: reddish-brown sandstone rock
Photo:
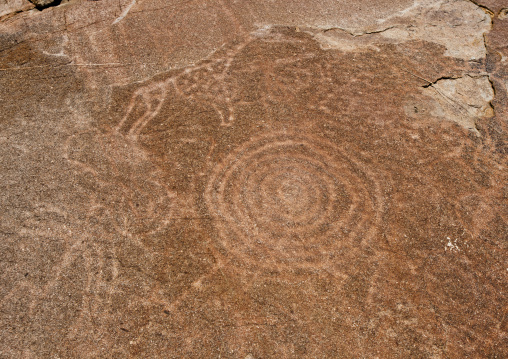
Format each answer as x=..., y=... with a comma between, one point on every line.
x=264, y=179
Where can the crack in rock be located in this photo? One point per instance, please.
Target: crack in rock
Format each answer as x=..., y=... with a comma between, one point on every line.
x=483, y=7
x=360, y=33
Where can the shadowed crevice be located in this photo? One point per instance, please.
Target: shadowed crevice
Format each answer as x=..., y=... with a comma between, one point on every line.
x=483, y=7
x=44, y=4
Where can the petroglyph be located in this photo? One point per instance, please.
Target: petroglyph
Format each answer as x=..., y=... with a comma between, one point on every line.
x=295, y=201
x=274, y=199
x=203, y=83
x=140, y=222
x=126, y=187
x=251, y=193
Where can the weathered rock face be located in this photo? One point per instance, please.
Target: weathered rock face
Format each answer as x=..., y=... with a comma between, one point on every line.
x=12, y=7
x=254, y=180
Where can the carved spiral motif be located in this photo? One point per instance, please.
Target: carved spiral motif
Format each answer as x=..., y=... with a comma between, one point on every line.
x=292, y=201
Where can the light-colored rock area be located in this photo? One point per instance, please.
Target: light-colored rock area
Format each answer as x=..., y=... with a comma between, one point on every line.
x=458, y=25
x=463, y=100
x=8, y=7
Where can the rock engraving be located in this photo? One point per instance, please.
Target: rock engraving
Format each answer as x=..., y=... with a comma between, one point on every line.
x=292, y=200
x=275, y=170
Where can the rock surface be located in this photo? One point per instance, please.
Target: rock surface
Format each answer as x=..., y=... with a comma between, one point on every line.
x=269, y=179
x=10, y=7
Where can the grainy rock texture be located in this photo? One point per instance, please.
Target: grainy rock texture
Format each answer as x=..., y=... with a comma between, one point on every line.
x=11, y=7
x=269, y=179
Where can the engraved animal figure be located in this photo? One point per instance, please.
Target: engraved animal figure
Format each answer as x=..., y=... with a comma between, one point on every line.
x=230, y=76
x=205, y=83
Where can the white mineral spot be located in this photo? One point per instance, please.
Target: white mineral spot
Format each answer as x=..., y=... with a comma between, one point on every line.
x=452, y=246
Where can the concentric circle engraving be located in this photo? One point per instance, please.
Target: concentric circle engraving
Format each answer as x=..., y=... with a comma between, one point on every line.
x=291, y=200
